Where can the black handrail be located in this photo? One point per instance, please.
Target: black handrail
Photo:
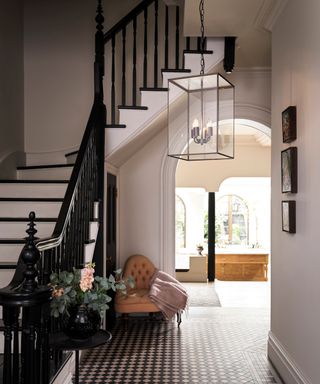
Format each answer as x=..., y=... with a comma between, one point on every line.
x=127, y=19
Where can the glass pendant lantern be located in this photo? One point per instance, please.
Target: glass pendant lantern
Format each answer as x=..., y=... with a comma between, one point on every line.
x=201, y=114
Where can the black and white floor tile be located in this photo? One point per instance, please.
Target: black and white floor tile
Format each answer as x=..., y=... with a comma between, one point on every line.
x=212, y=345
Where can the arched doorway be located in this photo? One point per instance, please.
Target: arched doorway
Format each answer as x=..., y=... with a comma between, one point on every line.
x=168, y=182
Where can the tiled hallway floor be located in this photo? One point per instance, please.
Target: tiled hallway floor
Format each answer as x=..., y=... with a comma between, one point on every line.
x=213, y=345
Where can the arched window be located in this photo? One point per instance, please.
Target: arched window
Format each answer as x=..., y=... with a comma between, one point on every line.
x=232, y=221
x=180, y=223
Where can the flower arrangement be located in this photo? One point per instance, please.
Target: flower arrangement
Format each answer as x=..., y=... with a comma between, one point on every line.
x=81, y=287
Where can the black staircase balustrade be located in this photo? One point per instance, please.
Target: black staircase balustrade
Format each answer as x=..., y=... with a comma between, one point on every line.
x=147, y=22
x=23, y=360
x=28, y=292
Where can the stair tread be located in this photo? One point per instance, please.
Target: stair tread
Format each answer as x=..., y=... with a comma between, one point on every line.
x=45, y=199
x=138, y=107
x=89, y=241
x=71, y=153
x=154, y=89
x=176, y=70
x=26, y=219
x=196, y=51
x=33, y=181
x=115, y=126
x=7, y=265
x=44, y=166
x=13, y=241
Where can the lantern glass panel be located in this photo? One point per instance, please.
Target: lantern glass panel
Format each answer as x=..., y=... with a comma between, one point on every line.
x=200, y=118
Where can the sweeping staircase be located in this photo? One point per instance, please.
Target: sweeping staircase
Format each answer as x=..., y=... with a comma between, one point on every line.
x=67, y=198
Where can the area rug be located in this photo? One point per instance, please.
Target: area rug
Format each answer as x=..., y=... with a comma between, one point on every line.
x=202, y=295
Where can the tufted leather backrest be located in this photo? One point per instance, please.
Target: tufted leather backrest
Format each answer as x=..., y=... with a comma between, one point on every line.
x=141, y=269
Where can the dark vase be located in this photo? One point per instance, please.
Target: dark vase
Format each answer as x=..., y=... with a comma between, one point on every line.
x=82, y=323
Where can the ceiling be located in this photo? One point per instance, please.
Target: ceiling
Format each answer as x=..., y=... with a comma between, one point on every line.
x=249, y=20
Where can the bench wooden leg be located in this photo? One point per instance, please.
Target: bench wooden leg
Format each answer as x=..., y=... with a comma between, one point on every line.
x=179, y=319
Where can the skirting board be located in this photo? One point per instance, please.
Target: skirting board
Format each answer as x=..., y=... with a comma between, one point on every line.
x=281, y=360
x=65, y=375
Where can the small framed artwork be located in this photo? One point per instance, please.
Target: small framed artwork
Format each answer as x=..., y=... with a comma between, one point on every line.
x=289, y=216
x=289, y=124
x=289, y=173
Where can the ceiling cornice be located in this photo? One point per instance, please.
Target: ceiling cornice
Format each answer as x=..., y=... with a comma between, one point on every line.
x=269, y=13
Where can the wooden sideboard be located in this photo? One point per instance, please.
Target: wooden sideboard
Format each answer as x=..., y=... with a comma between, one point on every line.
x=242, y=266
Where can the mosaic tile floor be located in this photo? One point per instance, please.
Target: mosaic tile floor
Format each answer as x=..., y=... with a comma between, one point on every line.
x=202, y=295
x=213, y=345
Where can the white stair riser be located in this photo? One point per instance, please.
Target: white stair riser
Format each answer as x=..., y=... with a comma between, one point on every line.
x=62, y=173
x=14, y=230
x=93, y=230
x=10, y=252
x=88, y=252
x=23, y=208
x=72, y=159
x=96, y=210
x=33, y=190
x=154, y=100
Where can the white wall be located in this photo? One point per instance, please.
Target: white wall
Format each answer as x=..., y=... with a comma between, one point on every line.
x=295, y=313
x=59, y=55
x=11, y=88
x=249, y=161
x=140, y=202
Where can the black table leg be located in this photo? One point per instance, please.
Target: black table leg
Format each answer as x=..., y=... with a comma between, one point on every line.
x=76, y=380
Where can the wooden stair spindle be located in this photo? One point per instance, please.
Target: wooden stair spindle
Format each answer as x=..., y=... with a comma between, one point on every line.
x=123, y=99
x=134, y=63
x=145, y=49
x=156, y=44
x=166, y=41
x=113, y=89
x=177, y=36
x=188, y=43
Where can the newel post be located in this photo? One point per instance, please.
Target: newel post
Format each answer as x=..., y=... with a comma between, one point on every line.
x=30, y=256
x=99, y=132
x=99, y=54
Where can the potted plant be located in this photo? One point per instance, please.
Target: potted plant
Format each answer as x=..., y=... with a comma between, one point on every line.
x=199, y=249
x=81, y=298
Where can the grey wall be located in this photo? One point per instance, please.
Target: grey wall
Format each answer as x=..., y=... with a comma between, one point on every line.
x=11, y=85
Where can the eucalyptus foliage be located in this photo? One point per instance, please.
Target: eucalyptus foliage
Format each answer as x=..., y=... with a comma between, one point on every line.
x=67, y=291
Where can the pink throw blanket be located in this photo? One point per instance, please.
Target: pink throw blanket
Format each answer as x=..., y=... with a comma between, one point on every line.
x=167, y=293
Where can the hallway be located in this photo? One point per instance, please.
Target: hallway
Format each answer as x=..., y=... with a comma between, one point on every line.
x=213, y=345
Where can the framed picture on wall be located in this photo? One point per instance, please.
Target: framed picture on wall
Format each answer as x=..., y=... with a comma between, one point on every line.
x=289, y=124
x=289, y=216
x=289, y=174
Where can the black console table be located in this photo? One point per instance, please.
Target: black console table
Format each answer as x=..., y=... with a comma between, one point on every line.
x=61, y=341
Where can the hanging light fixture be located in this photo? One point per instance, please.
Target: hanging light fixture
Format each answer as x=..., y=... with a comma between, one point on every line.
x=201, y=114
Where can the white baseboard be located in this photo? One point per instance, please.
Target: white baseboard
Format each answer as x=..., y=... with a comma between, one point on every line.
x=65, y=375
x=284, y=364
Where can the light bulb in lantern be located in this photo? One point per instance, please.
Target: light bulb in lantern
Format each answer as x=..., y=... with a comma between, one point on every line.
x=195, y=128
x=210, y=128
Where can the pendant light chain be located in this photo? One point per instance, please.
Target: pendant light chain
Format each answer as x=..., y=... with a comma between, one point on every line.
x=201, y=11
